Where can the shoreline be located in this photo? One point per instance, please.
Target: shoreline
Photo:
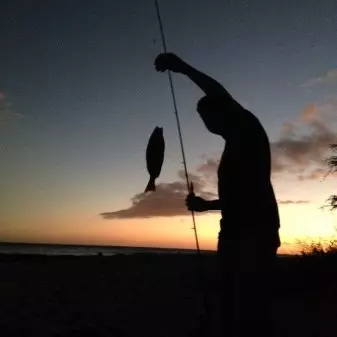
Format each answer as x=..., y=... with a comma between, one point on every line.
x=92, y=250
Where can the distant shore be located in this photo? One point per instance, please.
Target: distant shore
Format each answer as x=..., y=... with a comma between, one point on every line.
x=71, y=249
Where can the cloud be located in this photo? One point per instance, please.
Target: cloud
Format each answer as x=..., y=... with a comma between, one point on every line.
x=316, y=174
x=288, y=129
x=328, y=78
x=309, y=113
x=209, y=170
x=210, y=166
x=7, y=114
x=167, y=200
x=298, y=152
x=293, y=202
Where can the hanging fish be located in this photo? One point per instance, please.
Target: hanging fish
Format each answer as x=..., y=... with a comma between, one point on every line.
x=154, y=156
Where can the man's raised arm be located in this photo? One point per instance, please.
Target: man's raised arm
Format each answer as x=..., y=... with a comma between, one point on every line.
x=208, y=85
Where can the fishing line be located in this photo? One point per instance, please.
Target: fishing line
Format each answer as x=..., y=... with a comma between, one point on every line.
x=189, y=186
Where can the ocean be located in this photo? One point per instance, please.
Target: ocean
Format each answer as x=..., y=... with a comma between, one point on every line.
x=77, y=250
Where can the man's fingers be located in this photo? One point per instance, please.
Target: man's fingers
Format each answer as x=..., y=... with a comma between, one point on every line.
x=160, y=68
x=161, y=62
x=189, y=204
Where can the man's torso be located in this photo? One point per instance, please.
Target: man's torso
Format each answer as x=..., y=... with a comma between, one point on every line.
x=246, y=194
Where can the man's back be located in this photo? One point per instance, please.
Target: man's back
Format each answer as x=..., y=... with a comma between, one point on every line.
x=246, y=194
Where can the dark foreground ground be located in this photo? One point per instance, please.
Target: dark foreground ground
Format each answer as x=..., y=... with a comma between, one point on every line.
x=147, y=295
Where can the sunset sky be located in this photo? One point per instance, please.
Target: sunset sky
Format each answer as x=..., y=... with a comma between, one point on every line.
x=79, y=98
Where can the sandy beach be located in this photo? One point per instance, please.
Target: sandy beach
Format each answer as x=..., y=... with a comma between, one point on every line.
x=147, y=295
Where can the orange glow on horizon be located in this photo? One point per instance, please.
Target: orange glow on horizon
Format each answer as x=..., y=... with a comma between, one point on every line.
x=297, y=222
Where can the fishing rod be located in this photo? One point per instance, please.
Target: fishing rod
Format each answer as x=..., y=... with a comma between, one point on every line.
x=204, y=321
x=189, y=186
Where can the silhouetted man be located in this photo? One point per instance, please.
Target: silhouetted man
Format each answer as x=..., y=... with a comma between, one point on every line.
x=249, y=228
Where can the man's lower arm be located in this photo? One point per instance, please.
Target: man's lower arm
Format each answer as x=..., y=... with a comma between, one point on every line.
x=214, y=205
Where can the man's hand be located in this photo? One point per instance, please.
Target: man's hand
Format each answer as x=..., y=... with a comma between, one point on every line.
x=169, y=61
x=196, y=204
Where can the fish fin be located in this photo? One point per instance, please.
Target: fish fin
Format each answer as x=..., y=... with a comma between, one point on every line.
x=151, y=185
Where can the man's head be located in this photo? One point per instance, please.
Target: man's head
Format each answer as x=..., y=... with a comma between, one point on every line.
x=212, y=113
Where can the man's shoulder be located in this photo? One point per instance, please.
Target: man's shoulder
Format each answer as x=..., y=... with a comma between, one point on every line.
x=249, y=117
x=252, y=127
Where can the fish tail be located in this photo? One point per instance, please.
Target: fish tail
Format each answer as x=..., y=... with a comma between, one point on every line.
x=151, y=185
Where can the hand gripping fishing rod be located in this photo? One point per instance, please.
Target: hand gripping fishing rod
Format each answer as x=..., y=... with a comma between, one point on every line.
x=189, y=186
